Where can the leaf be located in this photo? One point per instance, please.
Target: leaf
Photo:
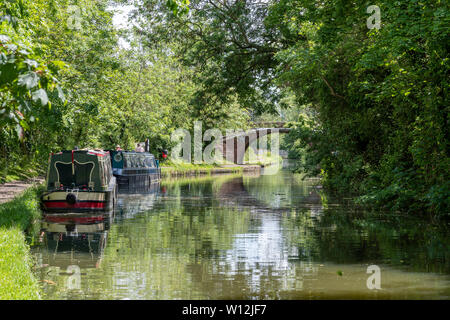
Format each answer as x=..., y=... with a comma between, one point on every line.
x=3, y=58
x=24, y=125
x=41, y=95
x=25, y=105
x=31, y=63
x=29, y=80
x=60, y=94
x=11, y=59
x=59, y=64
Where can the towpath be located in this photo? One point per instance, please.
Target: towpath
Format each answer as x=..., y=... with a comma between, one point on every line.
x=10, y=189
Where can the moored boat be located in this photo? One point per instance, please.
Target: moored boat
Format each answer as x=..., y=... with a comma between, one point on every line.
x=135, y=170
x=79, y=180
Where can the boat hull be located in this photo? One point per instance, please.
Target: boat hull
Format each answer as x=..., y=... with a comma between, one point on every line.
x=136, y=179
x=78, y=201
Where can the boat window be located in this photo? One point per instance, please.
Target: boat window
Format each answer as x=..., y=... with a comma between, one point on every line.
x=127, y=163
x=132, y=162
x=101, y=172
x=82, y=173
x=105, y=170
x=149, y=162
x=137, y=161
x=65, y=173
x=108, y=168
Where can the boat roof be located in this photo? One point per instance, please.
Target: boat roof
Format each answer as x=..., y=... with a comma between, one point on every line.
x=96, y=152
x=100, y=152
x=133, y=152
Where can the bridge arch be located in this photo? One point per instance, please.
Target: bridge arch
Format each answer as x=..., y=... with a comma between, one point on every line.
x=234, y=146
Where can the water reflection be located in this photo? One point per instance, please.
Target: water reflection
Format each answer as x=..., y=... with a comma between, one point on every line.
x=252, y=237
x=75, y=237
x=132, y=201
x=70, y=243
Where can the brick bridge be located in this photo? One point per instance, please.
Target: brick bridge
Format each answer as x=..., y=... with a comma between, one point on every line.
x=234, y=146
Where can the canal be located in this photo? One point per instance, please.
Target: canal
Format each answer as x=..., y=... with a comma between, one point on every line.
x=251, y=236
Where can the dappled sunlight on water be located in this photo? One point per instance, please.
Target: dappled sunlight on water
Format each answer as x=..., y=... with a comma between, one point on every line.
x=243, y=237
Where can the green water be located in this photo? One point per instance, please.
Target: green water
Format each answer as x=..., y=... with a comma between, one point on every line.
x=244, y=237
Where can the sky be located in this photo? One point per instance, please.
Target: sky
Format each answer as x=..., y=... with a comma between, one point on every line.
x=120, y=19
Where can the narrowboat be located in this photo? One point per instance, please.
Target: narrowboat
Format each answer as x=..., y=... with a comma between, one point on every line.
x=79, y=181
x=135, y=170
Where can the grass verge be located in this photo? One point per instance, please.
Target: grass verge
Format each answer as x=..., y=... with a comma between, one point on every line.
x=182, y=169
x=17, y=281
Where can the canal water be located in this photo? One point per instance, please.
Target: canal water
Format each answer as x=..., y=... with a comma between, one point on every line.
x=251, y=236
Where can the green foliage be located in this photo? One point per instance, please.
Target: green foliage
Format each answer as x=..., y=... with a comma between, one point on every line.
x=225, y=42
x=96, y=94
x=379, y=96
x=26, y=79
x=50, y=64
x=178, y=7
x=375, y=100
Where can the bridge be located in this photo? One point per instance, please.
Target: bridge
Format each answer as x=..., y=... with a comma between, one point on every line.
x=234, y=145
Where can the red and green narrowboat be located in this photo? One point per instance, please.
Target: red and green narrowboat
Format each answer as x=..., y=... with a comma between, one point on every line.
x=79, y=181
